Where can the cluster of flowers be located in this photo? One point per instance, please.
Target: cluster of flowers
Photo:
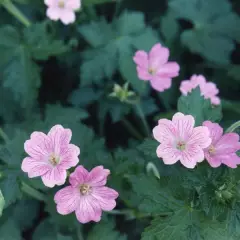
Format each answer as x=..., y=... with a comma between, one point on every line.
x=154, y=67
x=50, y=156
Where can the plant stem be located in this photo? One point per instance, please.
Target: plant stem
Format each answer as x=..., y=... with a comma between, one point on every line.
x=131, y=129
x=10, y=7
x=79, y=234
x=233, y=127
x=33, y=192
x=141, y=114
x=3, y=135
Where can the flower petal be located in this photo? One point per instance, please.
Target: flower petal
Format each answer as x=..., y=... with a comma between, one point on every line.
x=200, y=136
x=158, y=56
x=168, y=153
x=143, y=74
x=39, y=146
x=169, y=70
x=68, y=16
x=53, y=13
x=231, y=160
x=215, y=130
x=98, y=176
x=88, y=210
x=34, y=168
x=161, y=83
x=69, y=156
x=67, y=200
x=141, y=59
x=55, y=176
x=79, y=176
x=73, y=4
x=228, y=143
x=105, y=197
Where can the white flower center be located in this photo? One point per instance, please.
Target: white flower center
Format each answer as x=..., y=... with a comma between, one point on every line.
x=181, y=146
x=61, y=4
x=85, y=189
x=53, y=160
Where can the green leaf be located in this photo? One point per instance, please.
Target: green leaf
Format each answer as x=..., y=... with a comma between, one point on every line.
x=42, y=42
x=10, y=187
x=149, y=147
x=2, y=203
x=200, y=108
x=10, y=231
x=212, y=36
x=105, y=230
x=20, y=73
x=89, y=2
x=171, y=228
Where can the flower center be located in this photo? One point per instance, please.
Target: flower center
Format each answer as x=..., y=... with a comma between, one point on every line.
x=151, y=71
x=181, y=145
x=53, y=160
x=212, y=149
x=85, y=189
x=61, y=4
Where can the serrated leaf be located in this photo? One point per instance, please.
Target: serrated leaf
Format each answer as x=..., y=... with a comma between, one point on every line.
x=2, y=203
x=10, y=231
x=149, y=147
x=212, y=36
x=200, y=108
x=106, y=231
x=42, y=43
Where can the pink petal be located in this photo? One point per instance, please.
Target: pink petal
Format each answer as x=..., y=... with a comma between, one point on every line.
x=56, y=176
x=215, y=130
x=60, y=137
x=68, y=16
x=54, y=13
x=67, y=200
x=169, y=70
x=143, y=74
x=165, y=131
x=39, y=146
x=198, y=80
x=215, y=100
x=192, y=156
x=158, y=56
x=34, y=168
x=231, y=160
x=88, y=210
x=73, y=4
x=186, y=87
x=98, y=176
x=200, y=136
x=141, y=59
x=184, y=125
x=228, y=143
x=105, y=197
x=69, y=156
x=213, y=160
x=160, y=84
x=50, y=2
x=168, y=153
x=79, y=176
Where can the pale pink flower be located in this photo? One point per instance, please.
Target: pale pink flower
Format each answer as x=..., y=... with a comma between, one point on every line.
x=154, y=67
x=223, y=147
x=87, y=195
x=181, y=141
x=50, y=155
x=208, y=89
x=63, y=10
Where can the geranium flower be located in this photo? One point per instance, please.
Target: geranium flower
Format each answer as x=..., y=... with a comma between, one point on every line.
x=87, y=195
x=208, y=89
x=223, y=147
x=154, y=67
x=181, y=141
x=50, y=155
x=63, y=10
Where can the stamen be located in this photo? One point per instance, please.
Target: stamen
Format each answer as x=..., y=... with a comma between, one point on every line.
x=181, y=145
x=151, y=71
x=212, y=149
x=53, y=160
x=61, y=4
x=85, y=189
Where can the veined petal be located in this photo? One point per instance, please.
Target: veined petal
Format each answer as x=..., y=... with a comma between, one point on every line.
x=98, y=176
x=69, y=156
x=215, y=130
x=228, y=143
x=158, y=56
x=200, y=136
x=168, y=153
x=169, y=70
x=79, y=176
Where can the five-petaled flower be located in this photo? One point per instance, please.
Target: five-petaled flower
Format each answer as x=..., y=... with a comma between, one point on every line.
x=50, y=155
x=181, y=141
x=223, y=147
x=63, y=10
x=87, y=195
x=208, y=89
x=154, y=67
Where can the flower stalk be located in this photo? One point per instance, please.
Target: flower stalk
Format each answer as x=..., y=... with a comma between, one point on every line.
x=233, y=127
x=33, y=192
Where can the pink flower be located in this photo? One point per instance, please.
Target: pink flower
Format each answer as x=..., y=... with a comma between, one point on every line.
x=181, y=141
x=87, y=195
x=208, y=89
x=50, y=155
x=223, y=148
x=62, y=9
x=154, y=67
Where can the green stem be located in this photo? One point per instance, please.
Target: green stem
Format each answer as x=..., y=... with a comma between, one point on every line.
x=141, y=114
x=131, y=129
x=3, y=135
x=33, y=192
x=79, y=234
x=233, y=127
x=10, y=7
